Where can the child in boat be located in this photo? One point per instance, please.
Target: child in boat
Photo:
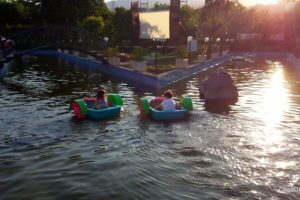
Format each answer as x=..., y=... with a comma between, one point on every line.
x=100, y=102
x=168, y=104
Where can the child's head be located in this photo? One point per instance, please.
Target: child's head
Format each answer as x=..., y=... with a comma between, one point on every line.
x=100, y=94
x=168, y=94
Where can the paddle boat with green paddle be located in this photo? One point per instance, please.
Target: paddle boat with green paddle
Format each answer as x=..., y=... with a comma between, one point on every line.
x=83, y=108
x=182, y=110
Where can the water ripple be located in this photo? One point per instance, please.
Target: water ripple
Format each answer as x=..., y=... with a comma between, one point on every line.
x=250, y=150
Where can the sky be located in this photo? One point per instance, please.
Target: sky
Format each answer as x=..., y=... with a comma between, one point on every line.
x=193, y=3
x=254, y=2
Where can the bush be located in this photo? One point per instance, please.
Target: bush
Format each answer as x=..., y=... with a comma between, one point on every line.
x=202, y=49
x=138, y=53
x=112, y=52
x=161, y=68
x=181, y=52
x=215, y=48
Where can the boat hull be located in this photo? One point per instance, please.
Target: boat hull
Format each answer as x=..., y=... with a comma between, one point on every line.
x=168, y=115
x=83, y=108
x=105, y=113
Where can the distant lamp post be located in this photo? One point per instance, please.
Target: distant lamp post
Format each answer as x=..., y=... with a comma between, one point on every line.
x=106, y=39
x=208, y=52
x=156, y=39
x=231, y=44
x=80, y=43
x=227, y=44
x=218, y=40
x=63, y=45
x=189, y=39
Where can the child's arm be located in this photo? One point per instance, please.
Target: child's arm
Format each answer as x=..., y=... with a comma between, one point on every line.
x=160, y=106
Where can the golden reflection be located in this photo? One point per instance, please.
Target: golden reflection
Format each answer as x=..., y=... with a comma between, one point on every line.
x=275, y=100
x=271, y=108
x=273, y=104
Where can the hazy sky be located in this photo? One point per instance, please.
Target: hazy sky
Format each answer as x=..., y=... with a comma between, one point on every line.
x=253, y=2
x=197, y=3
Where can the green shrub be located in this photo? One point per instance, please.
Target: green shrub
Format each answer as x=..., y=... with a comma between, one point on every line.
x=112, y=52
x=138, y=53
x=94, y=24
x=181, y=52
x=82, y=54
x=161, y=68
x=215, y=48
x=202, y=49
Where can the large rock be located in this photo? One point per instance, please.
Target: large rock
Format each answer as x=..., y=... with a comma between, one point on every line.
x=219, y=88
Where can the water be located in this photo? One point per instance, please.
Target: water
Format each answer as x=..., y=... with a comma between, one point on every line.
x=248, y=150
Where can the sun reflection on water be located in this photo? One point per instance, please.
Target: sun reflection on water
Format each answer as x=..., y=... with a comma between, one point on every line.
x=273, y=105
x=267, y=141
x=275, y=100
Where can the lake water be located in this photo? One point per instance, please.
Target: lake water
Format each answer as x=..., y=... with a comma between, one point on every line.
x=248, y=150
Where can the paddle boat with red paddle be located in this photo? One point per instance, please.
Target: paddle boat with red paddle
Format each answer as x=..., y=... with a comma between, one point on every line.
x=83, y=108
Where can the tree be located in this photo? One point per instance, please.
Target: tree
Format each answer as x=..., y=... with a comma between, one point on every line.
x=161, y=6
x=70, y=11
x=122, y=24
x=18, y=13
x=189, y=19
x=94, y=24
x=220, y=17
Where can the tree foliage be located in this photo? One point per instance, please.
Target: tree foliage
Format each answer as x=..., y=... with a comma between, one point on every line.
x=189, y=19
x=70, y=11
x=15, y=13
x=94, y=24
x=221, y=17
x=160, y=6
x=122, y=24
x=217, y=19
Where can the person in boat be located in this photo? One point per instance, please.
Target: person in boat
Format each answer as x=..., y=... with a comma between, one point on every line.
x=100, y=102
x=168, y=104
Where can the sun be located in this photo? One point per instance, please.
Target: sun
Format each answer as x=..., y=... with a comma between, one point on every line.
x=254, y=2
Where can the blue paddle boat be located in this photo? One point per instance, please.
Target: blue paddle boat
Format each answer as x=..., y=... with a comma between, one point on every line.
x=147, y=108
x=83, y=108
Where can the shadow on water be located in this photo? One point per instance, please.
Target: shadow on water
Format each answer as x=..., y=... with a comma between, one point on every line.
x=220, y=107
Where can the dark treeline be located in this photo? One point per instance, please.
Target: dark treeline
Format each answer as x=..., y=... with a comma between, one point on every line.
x=217, y=19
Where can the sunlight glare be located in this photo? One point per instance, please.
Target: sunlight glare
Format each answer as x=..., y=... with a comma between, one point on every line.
x=275, y=100
x=265, y=2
